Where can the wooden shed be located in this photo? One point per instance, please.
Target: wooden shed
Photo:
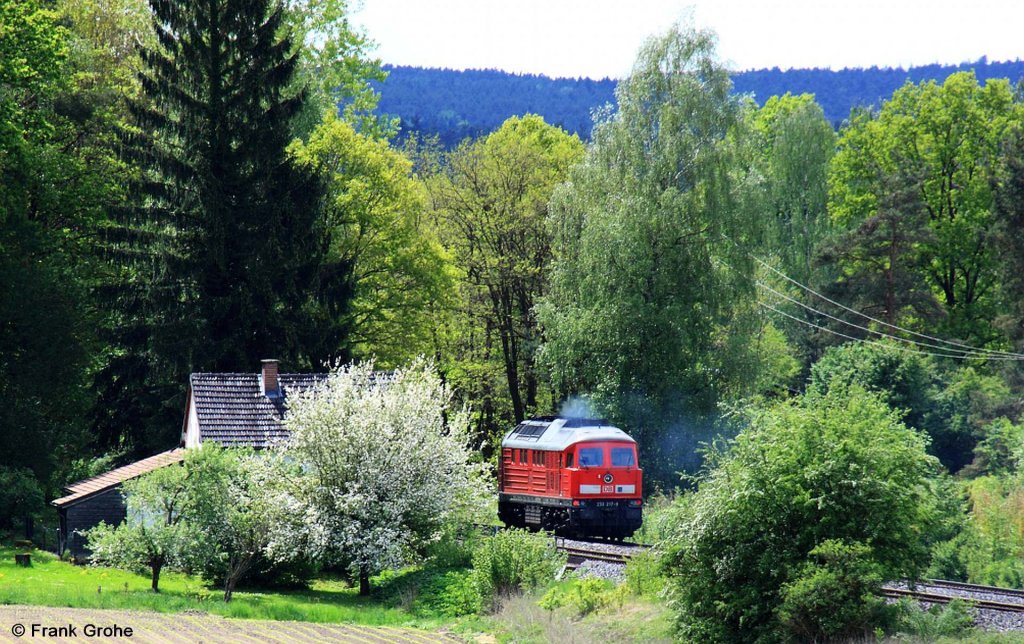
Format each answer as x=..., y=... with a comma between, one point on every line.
x=96, y=499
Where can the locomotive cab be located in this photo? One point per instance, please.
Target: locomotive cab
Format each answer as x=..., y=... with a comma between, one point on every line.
x=577, y=477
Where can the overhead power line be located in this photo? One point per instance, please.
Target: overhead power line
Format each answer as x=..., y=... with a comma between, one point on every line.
x=950, y=345
x=981, y=354
x=959, y=356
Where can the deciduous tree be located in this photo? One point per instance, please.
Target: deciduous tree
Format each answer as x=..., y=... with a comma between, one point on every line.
x=943, y=139
x=386, y=463
x=382, y=253
x=650, y=284
x=155, y=534
x=491, y=200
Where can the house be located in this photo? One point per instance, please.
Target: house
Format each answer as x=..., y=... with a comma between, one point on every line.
x=231, y=409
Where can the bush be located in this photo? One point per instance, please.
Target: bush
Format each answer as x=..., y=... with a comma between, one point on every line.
x=455, y=547
x=658, y=513
x=511, y=562
x=835, y=596
x=583, y=596
x=451, y=593
x=644, y=575
x=838, y=466
x=992, y=542
x=947, y=560
x=951, y=620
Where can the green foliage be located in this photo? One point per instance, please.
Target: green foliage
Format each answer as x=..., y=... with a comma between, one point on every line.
x=999, y=450
x=659, y=511
x=954, y=407
x=216, y=513
x=644, y=574
x=582, y=596
x=951, y=620
x=454, y=546
x=651, y=310
x=489, y=200
x=380, y=245
x=218, y=246
x=20, y=496
x=335, y=67
x=236, y=503
x=991, y=546
x=1008, y=215
x=944, y=139
x=792, y=143
x=511, y=562
x=453, y=593
x=876, y=264
x=45, y=326
x=971, y=399
x=154, y=535
x=835, y=595
x=838, y=466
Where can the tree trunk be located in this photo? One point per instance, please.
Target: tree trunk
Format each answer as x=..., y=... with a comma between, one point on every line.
x=364, y=581
x=237, y=569
x=157, y=566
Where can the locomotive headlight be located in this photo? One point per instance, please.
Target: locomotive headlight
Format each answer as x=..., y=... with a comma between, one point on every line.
x=608, y=478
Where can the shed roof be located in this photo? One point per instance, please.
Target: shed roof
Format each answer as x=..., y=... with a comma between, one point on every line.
x=232, y=409
x=556, y=434
x=81, y=490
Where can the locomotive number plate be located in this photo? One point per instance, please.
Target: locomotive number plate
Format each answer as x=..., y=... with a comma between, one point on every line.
x=608, y=489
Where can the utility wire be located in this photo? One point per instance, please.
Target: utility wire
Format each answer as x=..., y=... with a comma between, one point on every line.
x=1005, y=354
x=881, y=344
x=963, y=353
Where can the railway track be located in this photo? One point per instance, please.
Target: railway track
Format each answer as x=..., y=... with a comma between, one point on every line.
x=941, y=591
x=579, y=551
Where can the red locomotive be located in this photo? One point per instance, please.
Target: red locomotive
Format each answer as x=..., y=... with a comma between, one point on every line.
x=575, y=476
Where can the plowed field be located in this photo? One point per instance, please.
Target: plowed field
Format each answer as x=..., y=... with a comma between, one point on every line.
x=167, y=628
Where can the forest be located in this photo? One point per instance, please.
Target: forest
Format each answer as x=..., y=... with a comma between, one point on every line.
x=813, y=324
x=456, y=104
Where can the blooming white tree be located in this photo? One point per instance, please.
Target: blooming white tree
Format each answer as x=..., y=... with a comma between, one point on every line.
x=387, y=464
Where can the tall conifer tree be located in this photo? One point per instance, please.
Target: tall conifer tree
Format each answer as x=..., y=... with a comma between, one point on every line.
x=221, y=236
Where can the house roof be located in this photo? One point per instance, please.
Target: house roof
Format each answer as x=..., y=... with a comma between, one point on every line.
x=232, y=409
x=556, y=434
x=81, y=490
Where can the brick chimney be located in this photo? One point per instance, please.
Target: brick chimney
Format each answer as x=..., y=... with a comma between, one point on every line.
x=271, y=386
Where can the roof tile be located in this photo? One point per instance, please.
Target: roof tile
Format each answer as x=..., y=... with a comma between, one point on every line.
x=233, y=411
x=87, y=487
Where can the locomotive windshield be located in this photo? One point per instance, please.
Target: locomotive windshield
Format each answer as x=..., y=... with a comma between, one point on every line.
x=622, y=457
x=591, y=456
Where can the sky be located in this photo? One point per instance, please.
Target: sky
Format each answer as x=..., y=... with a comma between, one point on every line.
x=599, y=38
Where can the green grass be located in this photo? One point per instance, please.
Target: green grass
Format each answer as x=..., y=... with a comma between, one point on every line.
x=413, y=597
x=51, y=582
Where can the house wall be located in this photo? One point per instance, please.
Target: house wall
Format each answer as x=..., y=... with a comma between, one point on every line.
x=192, y=430
x=106, y=506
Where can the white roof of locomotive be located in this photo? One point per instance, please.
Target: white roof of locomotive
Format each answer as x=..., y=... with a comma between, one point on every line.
x=557, y=436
